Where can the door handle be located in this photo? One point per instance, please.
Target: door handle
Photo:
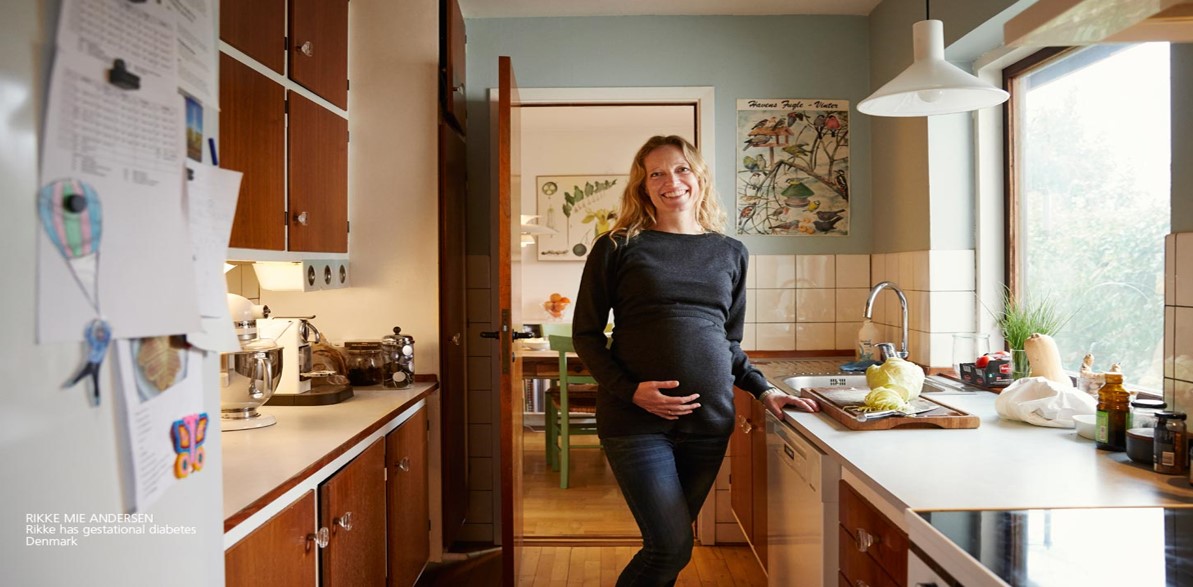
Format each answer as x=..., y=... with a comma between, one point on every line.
x=491, y=334
x=518, y=335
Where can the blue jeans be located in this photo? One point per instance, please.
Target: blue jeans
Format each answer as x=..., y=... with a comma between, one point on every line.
x=665, y=478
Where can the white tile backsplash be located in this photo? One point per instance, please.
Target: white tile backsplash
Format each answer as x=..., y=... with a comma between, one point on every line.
x=951, y=270
x=815, y=271
x=877, y=269
x=815, y=305
x=775, y=305
x=1184, y=269
x=1182, y=367
x=752, y=273
x=853, y=271
x=751, y=305
x=815, y=336
x=851, y=304
x=1169, y=340
x=775, y=337
x=847, y=334
x=748, y=338
x=1170, y=270
x=950, y=311
x=775, y=271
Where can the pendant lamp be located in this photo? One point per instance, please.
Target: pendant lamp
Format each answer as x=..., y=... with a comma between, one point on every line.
x=931, y=85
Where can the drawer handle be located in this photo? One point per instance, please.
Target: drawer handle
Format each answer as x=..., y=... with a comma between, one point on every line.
x=866, y=540
x=302, y=218
x=307, y=48
x=319, y=538
x=344, y=521
x=404, y=464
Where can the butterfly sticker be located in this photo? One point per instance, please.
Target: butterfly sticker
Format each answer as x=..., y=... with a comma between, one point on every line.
x=188, y=435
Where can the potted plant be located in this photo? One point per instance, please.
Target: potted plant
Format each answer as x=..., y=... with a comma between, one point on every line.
x=1022, y=317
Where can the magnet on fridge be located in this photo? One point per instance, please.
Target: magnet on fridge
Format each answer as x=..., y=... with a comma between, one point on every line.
x=121, y=77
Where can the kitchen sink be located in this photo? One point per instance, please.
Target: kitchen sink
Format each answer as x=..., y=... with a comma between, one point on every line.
x=932, y=384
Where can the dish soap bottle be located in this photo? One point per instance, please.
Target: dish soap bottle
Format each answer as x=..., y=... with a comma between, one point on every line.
x=1113, y=405
x=867, y=339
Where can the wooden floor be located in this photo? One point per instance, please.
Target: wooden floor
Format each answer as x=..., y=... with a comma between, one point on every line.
x=592, y=506
x=598, y=566
x=585, y=535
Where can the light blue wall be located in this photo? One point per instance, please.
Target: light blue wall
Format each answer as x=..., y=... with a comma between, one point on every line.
x=741, y=57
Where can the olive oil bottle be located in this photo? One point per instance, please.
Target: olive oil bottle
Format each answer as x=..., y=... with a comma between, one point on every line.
x=1113, y=405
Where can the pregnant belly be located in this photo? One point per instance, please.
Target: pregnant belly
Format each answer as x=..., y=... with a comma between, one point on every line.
x=692, y=351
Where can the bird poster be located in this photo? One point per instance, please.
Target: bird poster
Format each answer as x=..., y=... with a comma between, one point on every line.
x=793, y=167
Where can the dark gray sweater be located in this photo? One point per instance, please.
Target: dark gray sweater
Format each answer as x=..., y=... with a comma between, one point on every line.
x=679, y=304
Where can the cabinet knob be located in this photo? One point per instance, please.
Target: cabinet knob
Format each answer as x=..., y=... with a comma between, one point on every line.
x=344, y=521
x=302, y=218
x=319, y=538
x=865, y=540
x=459, y=88
x=404, y=464
x=307, y=48
x=456, y=339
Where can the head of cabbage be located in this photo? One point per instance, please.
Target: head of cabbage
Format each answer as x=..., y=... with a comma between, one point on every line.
x=895, y=374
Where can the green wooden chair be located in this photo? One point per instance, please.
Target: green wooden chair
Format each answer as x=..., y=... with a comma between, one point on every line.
x=570, y=410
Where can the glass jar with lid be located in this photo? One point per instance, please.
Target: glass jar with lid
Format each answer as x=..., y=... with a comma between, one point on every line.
x=1171, y=446
x=398, y=352
x=1143, y=412
x=365, y=362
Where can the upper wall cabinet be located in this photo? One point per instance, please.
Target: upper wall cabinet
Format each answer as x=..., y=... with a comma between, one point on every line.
x=318, y=178
x=452, y=60
x=257, y=28
x=252, y=141
x=319, y=48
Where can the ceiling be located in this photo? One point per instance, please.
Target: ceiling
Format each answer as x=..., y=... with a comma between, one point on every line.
x=529, y=8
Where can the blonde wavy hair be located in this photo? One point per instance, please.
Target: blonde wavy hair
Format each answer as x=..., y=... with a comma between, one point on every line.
x=638, y=213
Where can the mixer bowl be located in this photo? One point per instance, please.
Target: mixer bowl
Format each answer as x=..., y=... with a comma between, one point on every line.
x=248, y=379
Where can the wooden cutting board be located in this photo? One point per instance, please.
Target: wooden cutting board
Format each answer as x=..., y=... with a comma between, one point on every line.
x=840, y=403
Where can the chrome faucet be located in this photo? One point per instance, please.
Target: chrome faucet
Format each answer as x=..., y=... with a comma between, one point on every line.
x=902, y=353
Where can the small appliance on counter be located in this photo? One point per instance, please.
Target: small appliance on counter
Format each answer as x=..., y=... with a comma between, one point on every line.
x=249, y=376
x=301, y=384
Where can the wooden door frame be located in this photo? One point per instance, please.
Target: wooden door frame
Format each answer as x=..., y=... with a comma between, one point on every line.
x=703, y=98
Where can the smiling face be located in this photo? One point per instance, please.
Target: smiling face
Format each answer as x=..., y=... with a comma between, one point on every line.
x=671, y=184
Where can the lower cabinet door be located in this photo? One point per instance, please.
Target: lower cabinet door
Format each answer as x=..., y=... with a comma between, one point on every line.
x=281, y=552
x=352, y=508
x=409, y=515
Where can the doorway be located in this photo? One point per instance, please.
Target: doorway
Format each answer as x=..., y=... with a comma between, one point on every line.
x=565, y=146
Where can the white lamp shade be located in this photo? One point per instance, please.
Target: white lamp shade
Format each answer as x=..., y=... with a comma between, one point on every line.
x=931, y=85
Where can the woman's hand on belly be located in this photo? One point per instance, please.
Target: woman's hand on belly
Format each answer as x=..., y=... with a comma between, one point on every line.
x=649, y=398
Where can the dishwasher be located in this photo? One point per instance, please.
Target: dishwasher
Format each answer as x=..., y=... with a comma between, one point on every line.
x=802, y=509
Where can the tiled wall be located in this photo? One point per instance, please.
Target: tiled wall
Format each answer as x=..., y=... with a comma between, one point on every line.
x=1178, y=320
x=816, y=302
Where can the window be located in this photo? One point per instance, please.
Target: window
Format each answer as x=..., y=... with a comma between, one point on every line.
x=1089, y=198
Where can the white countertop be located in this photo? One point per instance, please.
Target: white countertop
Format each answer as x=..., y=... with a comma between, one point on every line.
x=264, y=463
x=1001, y=464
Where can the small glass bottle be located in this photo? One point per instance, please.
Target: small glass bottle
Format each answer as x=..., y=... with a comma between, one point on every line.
x=1143, y=412
x=1171, y=448
x=1113, y=406
x=366, y=365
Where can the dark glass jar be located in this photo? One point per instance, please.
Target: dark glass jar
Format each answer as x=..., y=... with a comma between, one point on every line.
x=1171, y=448
x=1113, y=406
x=366, y=364
x=398, y=351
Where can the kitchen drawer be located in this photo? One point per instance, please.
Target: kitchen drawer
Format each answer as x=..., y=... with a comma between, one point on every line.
x=888, y=544
x=859, y=570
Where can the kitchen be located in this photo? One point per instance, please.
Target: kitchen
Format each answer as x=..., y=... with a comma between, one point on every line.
x=867, y=51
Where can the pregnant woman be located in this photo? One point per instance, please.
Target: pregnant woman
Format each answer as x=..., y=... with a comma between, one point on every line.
x=676, y=286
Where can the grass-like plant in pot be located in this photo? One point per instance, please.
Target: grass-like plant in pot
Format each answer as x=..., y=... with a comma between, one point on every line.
x=1022, y=317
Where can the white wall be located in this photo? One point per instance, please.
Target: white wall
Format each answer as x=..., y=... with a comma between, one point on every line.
x=581, y=140
x=61, y=455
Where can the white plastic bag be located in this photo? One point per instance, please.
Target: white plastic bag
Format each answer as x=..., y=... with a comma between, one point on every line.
x=1038, y=401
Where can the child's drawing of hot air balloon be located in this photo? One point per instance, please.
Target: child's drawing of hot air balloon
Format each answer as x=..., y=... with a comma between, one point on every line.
x=71, y=216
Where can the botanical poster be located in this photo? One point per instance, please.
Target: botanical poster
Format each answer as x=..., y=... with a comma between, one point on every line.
x=577, y=208
x=793, y=167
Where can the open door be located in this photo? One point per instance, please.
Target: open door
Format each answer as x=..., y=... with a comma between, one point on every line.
x=506, y=260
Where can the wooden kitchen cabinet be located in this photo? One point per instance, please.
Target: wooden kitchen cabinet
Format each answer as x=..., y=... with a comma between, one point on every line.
x=873, y=550
x=352, y=507
x=257, y=28
x=319, y=48
x=452, y=39
x=407, y=495
x=318, y=209
x=252, y=141
x=281, y=552
x=747, y=481
x=296, y=201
